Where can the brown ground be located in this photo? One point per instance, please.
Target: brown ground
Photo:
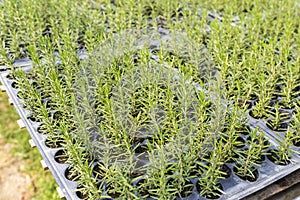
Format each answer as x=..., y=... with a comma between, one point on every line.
x=14, y=185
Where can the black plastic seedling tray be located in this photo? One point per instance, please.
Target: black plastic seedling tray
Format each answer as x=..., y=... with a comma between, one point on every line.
x=233, y=186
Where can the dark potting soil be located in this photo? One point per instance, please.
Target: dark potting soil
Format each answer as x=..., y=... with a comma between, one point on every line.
x=71, y=174
x=187, y=189
x=110, y=192
x=61, y=156
x=282, y=127
x=15, y=85
x=296, y=142
x=244, y=130
x=97, y=171
x=240, y=142
x=80, y=194
x=34, y=117
x=227, y=171
x=143, y=191
x=54, y=143
x=266, y=143
x=273, y=156
x=247, y=177
x=214, y=194
x=42, y=129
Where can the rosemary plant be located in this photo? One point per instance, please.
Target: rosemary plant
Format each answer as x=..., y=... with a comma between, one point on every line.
x=278, y=119
x=283, y=154
x=252, y=156
x=208, y=184
x=157, y=95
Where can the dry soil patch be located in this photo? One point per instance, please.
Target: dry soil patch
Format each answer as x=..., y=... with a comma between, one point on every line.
x=14, y=184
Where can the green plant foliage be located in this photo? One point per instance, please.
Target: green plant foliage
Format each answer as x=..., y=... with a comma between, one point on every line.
x=252, y=157
x=164, y=88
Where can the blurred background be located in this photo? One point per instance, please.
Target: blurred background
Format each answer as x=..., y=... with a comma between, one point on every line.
x=21, y=174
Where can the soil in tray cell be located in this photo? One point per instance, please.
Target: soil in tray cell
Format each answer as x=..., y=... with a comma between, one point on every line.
x=33, y=117
x=71, y=174
x=282, y=127
x=296, y=142
x=11, y=76
x=274, y=157
x=143, y=192
x=286, y=106
x=196, y=171
x=233, y=157
x=227, y=171
x=42, y=129
x=22, y=95
x=248, y=176
x=15, y=85
x=141, y=148
x=97, y=171
x=140, y=145
x=186, y=188
x=214, y=194
x=54, y=143
x=265, y=142
x=110, y=191
x=60, y=156
x=244, y=130
x=240, y=142
x=80, y=193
